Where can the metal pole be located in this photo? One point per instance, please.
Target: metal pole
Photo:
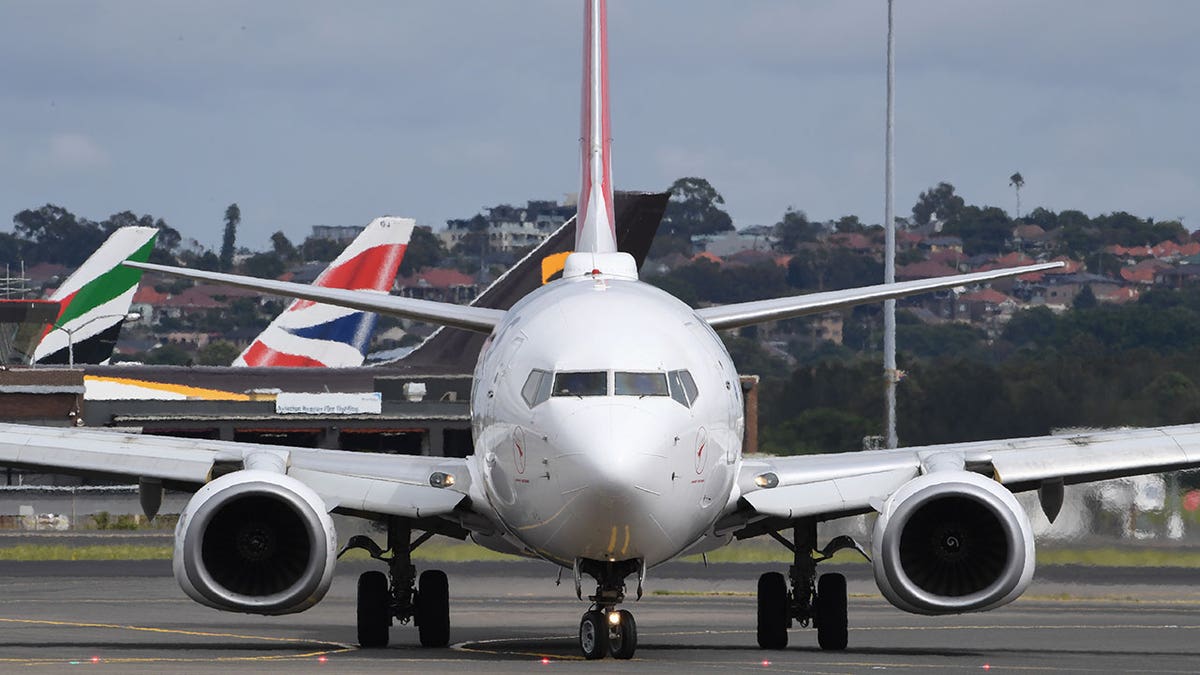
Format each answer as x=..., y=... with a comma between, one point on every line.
x=889, y=257
x=70, y=347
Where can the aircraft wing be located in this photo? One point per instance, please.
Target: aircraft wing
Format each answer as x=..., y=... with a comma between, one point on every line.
x=759, y=311
x=353, y=481
x=479, y=319
x=833, y=485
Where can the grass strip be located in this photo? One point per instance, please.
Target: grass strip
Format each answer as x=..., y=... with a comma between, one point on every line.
x=448, y=551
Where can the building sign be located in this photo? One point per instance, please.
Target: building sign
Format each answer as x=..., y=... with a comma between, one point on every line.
x=293, y=403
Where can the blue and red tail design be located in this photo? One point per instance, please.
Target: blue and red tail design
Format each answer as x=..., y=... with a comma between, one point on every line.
x=312, y=335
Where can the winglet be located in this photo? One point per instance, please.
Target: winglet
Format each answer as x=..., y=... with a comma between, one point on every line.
x=596, y=223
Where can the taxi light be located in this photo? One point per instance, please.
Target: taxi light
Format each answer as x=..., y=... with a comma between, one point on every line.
x=766, y=480
x=614, y=618
x=439, y=479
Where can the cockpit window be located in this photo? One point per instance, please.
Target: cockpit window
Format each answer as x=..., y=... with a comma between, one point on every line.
x=640, y=384
x=537, y=387
x=585, y=383
x=683, y=387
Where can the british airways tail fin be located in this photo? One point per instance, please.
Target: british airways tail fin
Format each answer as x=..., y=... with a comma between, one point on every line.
x=308, y=334
x=95, y=299
x=595, y=221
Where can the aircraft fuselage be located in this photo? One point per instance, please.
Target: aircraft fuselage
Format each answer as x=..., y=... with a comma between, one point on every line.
x=608, y=422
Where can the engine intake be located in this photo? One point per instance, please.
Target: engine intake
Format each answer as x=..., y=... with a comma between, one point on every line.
x=951, y=542
x=257, y=542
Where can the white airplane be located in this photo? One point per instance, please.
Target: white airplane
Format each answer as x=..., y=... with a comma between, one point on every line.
x=607, y=421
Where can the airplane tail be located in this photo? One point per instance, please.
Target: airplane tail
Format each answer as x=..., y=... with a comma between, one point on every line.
x=95, y=299
x=308, y=334
x=595, y=222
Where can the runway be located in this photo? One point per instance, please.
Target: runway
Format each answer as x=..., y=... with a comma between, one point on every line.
x=511, y=617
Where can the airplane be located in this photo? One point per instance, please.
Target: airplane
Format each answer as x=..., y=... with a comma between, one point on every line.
x=607, y=421
x=95, y=300
x=309, y=334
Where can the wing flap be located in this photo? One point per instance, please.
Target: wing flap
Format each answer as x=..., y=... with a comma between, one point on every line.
x=759, y=311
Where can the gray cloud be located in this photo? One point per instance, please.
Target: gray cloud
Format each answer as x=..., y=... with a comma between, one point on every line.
x=307, y=113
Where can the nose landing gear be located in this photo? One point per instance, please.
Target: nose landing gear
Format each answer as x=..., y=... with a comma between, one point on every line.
x=604, y=629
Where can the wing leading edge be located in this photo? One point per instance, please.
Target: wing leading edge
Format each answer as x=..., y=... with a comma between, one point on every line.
x=384, y=485
x=832, y=485
x=479, y=319
x=759, y=311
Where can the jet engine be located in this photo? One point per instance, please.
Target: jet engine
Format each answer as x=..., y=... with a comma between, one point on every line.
x=255, y=541
x=950, y=542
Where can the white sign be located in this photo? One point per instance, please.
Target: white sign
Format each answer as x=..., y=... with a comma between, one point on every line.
x=293, y=403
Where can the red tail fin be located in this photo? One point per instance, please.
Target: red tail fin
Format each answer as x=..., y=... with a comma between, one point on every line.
x=595, y=225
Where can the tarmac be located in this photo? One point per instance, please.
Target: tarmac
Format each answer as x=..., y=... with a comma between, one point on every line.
x=512, y=617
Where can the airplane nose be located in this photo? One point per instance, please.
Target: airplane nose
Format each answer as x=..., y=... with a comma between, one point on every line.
x=613, y=448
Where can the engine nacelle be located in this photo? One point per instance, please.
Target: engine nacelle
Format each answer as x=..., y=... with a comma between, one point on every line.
x=950, y=542
x=255, y=541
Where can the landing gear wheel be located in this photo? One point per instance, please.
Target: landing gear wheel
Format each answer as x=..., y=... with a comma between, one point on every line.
x=593, y=635
x=374, y=611
x=433, y=609
x=832, y=632
x=622, y=637
x=773, y=616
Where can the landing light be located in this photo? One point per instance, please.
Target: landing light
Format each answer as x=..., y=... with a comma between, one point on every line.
x=614, y=618
x=440, y=479
x=766, y=480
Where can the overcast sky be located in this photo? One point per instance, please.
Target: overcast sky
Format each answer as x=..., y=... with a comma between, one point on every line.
x=332, y=113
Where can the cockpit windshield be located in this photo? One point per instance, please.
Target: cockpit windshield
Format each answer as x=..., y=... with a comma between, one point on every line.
x=581, y=383
x=640, y=384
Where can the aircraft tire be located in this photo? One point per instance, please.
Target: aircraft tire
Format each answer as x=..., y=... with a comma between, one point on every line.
x=374, y=615
x=433, y=609
x=773, y=618
x=832, y=631
x=593, y=635
x=622, y=639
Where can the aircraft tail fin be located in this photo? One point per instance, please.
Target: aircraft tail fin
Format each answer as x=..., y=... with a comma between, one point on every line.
x=596, y=221
x=308, y=334
x=95, y=299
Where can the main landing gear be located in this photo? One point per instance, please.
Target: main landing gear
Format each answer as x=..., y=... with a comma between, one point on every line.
x=604, y=629
x=396, y=595
x=819, y=602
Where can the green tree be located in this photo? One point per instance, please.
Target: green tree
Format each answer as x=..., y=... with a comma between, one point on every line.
x=168, y=355
x=695, y=209
x=217, y=353
x=984, y=229
x=319, y=249
x=233, y=216
x=938, y=201
x=57, y=236
x=265, y=265
x=794, y=229
x=283, y=246
x=425, y=249
x=1016, y=182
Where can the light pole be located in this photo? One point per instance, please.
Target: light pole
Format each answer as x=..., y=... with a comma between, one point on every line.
x=130, y=316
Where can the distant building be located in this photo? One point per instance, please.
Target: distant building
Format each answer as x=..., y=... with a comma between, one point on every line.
x=510, y=228
x=343, y=234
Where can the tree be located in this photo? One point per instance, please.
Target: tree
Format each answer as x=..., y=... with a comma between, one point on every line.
x=939, y=201
x=233, y=216
x=1085, y=299
x=793, y=229
x=265, y=265
x=695, y=209
x=425, y=249
x=1016, y=181
x=217, y=353
x=282, y=246
x=319, y=249
x=982, y=229
x=57, y=235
